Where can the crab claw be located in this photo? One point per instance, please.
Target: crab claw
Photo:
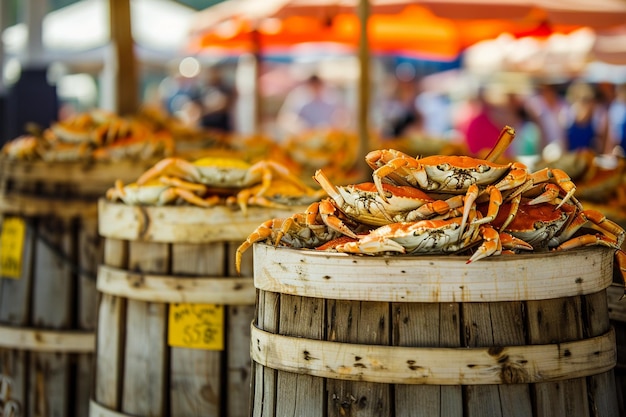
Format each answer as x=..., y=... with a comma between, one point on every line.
x=511, y=242
x=327, y=211
x=262, y=232
x=372, y=245
x=491, y=244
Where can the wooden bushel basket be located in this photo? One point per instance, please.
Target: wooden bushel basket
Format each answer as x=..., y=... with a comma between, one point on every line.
x=156, y=257
x=524, y=335
x=47, y=312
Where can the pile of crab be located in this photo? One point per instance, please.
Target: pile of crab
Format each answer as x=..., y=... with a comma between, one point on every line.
x=212, y=181
x=445, y=205
x=94, y=135
x=600, y=180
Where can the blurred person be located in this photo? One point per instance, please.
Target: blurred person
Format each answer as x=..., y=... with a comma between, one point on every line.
x=585, y=120
x=313, y=105
x=435, y=107
x=216, y=102
x=527, y=133
x=549, y=109
x=484, y=124
x=397, y=109
x=617, y=121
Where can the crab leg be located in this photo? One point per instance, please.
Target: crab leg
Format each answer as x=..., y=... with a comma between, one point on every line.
x=371, y=245
x=491, y=244
x=327, y=211
x=507, y=134
x=562, y=180
x=262, y=232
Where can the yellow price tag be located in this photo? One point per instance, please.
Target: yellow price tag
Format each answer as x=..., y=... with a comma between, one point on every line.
x=12, y=247
x=197, y=326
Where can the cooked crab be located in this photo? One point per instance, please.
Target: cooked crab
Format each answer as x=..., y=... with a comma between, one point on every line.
x=546, y=226
x=301, y=230
x=22, y=147
x=431, y=237
x=161, y=192
x=281, y=194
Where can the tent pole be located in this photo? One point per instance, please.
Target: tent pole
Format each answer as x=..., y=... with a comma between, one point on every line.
x=126, y=97
x=363, y=12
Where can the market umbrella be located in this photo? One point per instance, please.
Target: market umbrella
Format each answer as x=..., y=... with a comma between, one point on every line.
x=246, y=24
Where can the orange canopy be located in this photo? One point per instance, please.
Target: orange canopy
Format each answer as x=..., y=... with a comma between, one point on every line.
x=416, y=30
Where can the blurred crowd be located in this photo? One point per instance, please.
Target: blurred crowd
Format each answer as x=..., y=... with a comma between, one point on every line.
x=550, y=118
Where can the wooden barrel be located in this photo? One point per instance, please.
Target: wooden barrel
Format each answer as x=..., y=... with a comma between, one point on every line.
x=524, y=335
x=161, y=265
x=49, y=253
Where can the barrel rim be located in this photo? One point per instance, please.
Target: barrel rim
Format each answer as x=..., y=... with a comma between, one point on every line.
x=446, y=278
x=182, y=223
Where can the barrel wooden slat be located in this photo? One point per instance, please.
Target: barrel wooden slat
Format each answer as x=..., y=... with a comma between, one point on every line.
x=109, y=342
x=145, y=356
x=53, y=275
x=617, y=315
x=238, y=339
x=405, y=333
x=478, y=330
x=346, y=325
x=264, y=378
x=196, y=387
x=538, y=368
x=600, y=385
x=508, y=318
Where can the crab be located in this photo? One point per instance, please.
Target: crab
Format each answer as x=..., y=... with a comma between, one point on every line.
x=301, y=230
x=282, y=194
x=362, y=203
x=162, y=191
x=22, y=147
x=433, y=237
x=441, y=175
x=220, y=172
x=545, y=226
x=232, y=176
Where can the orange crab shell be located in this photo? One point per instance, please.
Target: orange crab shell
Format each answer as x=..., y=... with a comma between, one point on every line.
x=527, y=215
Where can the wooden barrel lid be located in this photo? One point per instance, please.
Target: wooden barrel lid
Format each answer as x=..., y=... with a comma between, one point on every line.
x=181, y=224
x=435, y=279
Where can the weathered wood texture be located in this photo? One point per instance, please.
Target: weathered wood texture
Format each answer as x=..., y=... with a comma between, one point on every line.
x=617, y=315
x=48, y=315
x=136, y=371
x=45, y=308
x=516, y=357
